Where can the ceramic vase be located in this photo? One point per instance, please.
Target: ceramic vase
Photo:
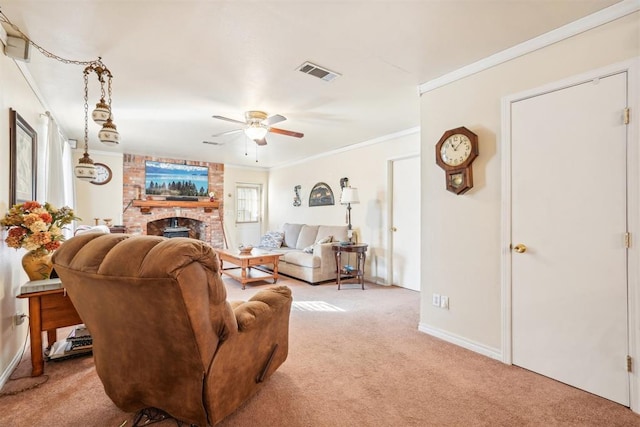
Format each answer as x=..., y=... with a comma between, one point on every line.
x=37, y=264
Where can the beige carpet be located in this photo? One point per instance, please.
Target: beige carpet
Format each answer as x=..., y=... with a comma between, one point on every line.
x=356, y=359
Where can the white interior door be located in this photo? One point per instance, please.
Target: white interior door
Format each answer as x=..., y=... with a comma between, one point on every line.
x=569, y=207
x=405, y=215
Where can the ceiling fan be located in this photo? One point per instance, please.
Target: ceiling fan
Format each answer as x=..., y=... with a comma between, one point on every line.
x=256, y=126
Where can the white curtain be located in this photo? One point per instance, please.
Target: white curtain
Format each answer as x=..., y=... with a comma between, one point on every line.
x=54, y=192
x=59, y=184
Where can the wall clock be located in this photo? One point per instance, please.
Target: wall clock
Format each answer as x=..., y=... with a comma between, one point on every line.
x=103, y=174
x=455, y=152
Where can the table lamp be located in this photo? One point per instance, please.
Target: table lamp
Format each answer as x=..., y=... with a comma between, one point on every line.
x=349, y=196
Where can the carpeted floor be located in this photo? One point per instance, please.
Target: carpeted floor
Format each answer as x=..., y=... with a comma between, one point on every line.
x=356, y=358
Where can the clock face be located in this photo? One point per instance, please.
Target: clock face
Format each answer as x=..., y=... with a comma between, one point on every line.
x=455, y=150
x=103, y=174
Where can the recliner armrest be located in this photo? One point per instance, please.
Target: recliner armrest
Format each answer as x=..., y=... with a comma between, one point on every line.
x=261, y=306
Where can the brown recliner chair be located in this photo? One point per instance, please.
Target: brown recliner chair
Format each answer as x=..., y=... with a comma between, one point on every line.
x=164, y=335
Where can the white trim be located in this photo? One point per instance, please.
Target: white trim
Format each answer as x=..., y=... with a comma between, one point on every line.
x=355, y=146
x=477, y=347
x=14, y=363
x=633, y=206
x=505, y=238
x=589, y=22
x=632, y=68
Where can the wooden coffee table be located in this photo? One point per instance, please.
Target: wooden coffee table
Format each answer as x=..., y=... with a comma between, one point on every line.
x=248, y=266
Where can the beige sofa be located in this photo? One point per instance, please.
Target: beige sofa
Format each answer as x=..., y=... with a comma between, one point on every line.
x=317, y=266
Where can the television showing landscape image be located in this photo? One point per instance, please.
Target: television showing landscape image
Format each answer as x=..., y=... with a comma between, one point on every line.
x=172, y=179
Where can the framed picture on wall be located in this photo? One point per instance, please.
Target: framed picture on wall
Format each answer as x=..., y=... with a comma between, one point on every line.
x=23, y=156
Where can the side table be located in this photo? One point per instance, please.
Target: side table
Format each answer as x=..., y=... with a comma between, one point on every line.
x=360, y=249
x=50, y=308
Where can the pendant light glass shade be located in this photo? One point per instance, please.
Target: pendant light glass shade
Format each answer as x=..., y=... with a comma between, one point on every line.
x=102, y=113
x=109, y=134
x=255, y=131
x=85, y=169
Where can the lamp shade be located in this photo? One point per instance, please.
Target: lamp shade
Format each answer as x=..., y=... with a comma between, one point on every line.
x=256, y=131
x=349, y=195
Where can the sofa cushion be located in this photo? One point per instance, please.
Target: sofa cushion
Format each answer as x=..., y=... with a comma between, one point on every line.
x=309, y=249
x=302, y=259
x=291, y=233
x=307, y=236
x=339, y=232
x=272, y=239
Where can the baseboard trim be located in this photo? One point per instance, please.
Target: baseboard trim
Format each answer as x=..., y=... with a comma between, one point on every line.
x=461, y=341
x=6, y=374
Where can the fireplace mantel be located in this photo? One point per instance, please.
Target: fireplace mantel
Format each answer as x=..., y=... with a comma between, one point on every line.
x=146, y=205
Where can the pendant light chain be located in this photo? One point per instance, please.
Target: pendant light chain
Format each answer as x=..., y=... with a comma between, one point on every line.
x=3, y=18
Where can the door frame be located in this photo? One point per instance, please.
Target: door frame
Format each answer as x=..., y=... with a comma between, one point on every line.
x=390, y=162
x=632, y=68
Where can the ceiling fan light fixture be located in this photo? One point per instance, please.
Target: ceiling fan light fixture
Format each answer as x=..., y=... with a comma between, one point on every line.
x=256, y=131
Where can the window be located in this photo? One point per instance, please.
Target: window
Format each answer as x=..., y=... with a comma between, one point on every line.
x=248, y=203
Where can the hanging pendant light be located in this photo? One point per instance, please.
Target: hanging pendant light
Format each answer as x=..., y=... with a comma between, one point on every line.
x=85, y=169
x=101, y=113
x=109, y=134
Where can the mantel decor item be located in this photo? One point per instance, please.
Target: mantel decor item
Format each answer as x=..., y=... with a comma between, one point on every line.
x=23, y=155
x=37, y=229
x=321, y=195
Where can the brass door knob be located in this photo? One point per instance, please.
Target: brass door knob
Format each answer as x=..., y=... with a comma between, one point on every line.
x=394, y=229
x=520, y=248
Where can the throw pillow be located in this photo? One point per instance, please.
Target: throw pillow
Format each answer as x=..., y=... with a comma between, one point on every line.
x=272, y=239
x=309, y=249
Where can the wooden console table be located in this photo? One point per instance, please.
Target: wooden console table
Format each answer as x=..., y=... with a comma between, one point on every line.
x=360, y=249
x=49, y=310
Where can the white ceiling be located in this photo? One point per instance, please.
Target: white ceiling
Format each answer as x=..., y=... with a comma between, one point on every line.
x=177, y=63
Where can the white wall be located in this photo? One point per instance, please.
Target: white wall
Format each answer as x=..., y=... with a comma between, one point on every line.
x=461, y=234
x=366, y=167
x=14, y=93
x=100, y=201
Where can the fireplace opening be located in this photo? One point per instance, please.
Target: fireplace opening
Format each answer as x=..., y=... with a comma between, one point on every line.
x=176, y=227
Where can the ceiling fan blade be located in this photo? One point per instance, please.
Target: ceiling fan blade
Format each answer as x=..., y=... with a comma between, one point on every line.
x=276, y=118
x=229, y=132
x=226, y=119
x=286, y=132
x=262, y=141
x=213, y=142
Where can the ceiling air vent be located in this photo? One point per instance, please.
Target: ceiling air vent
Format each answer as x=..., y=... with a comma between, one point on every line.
x=317, y=71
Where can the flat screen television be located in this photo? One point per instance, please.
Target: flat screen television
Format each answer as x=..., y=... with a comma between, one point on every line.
x=176, y=180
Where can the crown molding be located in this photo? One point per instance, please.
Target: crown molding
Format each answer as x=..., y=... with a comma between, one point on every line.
x=589, y=22
x=355, y=146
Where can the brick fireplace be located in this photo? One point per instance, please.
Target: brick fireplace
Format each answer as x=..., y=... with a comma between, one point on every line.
x=203, y=224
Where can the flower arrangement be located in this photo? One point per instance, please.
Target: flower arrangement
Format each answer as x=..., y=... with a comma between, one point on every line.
x=36, y=227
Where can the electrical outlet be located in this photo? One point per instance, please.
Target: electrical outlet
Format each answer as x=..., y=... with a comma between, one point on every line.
x=444, y=302
x=18, y=319
x=436, y=300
